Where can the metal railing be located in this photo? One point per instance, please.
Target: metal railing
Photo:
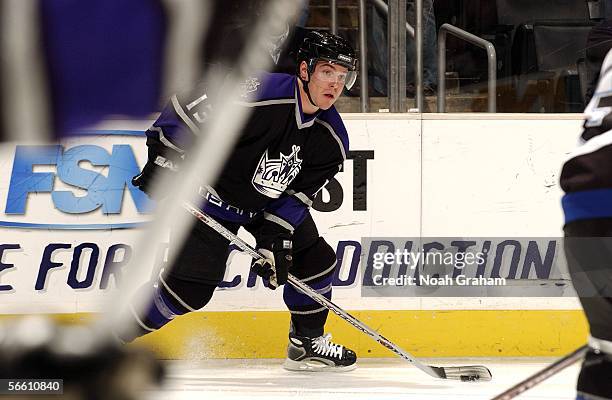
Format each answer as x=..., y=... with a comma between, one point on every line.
x=397, y=57
x=363, y=59
x=396, y=37
x=363, y=55
x=470, y=38
x=334, y=16
x=418, y=42
x=395, y=54
x=382, y=6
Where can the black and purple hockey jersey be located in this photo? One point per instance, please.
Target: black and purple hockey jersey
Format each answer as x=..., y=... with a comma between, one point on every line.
x=586, y=177
x=281, y=160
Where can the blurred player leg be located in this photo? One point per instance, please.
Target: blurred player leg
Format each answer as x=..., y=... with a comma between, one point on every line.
x=186, y=286
x=588, y=248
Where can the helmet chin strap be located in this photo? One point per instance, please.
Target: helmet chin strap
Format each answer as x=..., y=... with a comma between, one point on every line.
x=305, y=86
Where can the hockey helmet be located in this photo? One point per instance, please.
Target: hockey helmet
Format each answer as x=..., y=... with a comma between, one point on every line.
x=325, y=46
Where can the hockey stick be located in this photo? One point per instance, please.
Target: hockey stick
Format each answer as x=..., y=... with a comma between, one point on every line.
x=464, y=373
x=544, y=374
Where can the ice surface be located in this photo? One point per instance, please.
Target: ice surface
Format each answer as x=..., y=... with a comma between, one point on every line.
x=373, y=379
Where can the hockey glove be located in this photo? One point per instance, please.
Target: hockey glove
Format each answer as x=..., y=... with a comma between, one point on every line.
x=274, y=268
x=161, y=162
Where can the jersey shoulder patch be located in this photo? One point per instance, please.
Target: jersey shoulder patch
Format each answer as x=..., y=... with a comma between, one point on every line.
x=269, y=86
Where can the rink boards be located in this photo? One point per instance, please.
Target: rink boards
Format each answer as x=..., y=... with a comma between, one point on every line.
x=69, y=225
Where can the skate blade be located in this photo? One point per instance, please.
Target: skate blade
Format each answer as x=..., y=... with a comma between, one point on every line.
x=313, y=366
x=468, y=373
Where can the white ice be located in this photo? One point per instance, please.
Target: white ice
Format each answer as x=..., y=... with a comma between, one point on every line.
x=376, y=379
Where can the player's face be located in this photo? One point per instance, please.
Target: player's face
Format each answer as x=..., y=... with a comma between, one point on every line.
x=326, y=83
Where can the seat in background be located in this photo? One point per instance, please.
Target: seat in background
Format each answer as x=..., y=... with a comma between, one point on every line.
x=548, y=50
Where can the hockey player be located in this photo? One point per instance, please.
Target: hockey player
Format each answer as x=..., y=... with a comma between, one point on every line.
x=292, y=144
x=587, y=180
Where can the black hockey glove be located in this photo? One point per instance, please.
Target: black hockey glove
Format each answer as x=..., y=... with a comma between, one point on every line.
x=274, y=268
x=161, y=162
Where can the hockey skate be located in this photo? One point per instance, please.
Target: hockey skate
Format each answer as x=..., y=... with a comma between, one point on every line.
x=318, y=354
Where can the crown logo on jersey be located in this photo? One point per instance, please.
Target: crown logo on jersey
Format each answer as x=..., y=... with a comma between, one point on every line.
x=272, y=176
x=249, y=86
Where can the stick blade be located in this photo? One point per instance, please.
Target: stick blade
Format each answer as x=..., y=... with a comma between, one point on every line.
x=468, y=373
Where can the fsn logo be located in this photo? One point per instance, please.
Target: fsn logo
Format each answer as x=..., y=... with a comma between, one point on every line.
x=103, y=191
